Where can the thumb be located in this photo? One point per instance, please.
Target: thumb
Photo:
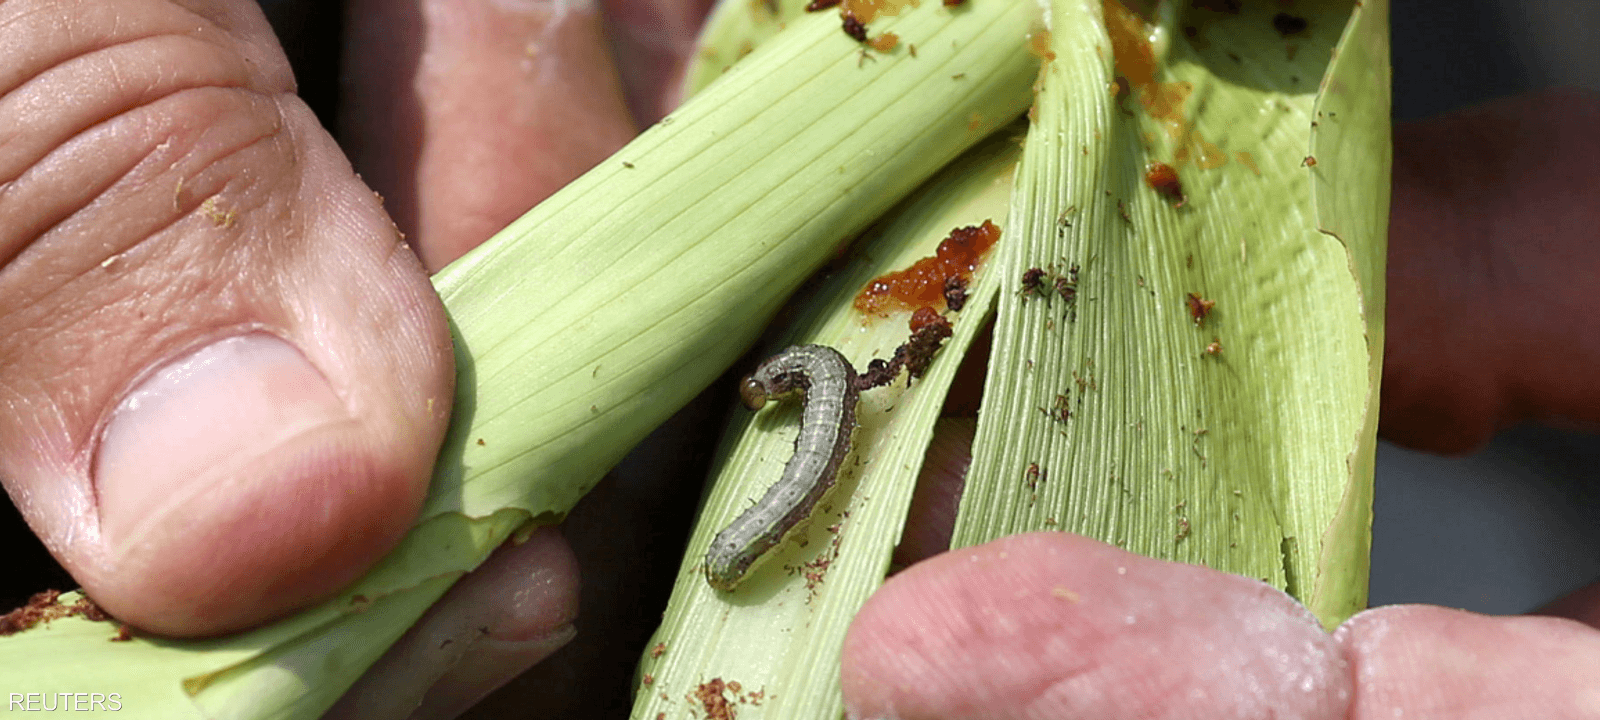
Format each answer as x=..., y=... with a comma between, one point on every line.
x=224, y=376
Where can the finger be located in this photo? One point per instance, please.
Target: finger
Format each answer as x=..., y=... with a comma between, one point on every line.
x=1492, y=271
x=627, y=534
x=653, y=41
x=465, y=113
x=1582, y=605
x=1057, y=625
x=1432, y=663
x=932, y=515
x=195, y=298
x=513, y=611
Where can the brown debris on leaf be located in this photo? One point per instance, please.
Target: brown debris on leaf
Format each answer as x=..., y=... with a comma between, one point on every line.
x=1033, y=282
x=43, y=608
x=1060, y=411
x=1287, y=24
x=877, y=374
x=955, y=293
x=712, y=700
x=855, y=29
x=929, y=330
x=1199, y=307
x=1164, y=180
x=1038, y=282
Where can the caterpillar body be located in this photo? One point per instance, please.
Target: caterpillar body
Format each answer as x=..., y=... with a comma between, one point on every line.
x=828, y=419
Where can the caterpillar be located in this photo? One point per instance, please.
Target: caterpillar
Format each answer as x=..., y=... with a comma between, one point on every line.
x=828, y=419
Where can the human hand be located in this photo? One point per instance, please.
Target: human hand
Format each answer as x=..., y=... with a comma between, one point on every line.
x=1491, y=267
x=196, y=294
x=225, y=377
x=1053, y=625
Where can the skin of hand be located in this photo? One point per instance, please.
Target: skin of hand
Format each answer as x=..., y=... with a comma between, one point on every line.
x=194, y=290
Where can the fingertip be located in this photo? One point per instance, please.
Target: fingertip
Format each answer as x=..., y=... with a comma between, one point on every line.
x=1425, y=661
x=234, y=484
x=507, y=615
x=292, y=530
x=526, y=590
x=653, y=41
x=464, y=114
x=932, y=515
x=1582, y=605
x=1490, y=271
x=1057, y=625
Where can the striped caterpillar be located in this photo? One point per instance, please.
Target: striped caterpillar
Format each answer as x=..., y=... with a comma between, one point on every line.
x=828, y=383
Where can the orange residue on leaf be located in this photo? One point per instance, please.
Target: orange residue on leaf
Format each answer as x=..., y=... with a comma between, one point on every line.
x=1206, y=155
x=1249, y=161
x=868, y=10
x=885, y=42
x=1136, y=61
x=1191, y=146
x=1165, y=100
x=1175, y=129
x=1039, y=45
x=925, y=316
x=923, y=283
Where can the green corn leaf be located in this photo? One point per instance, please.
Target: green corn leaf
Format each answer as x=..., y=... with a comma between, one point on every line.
x=732, y=31
x=773, y=644
x=1241, y=438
